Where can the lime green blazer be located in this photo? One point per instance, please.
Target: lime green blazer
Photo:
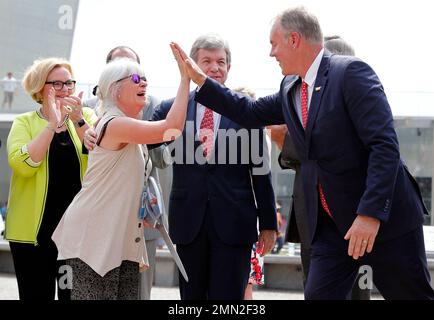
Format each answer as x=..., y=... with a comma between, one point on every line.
x=29, y=181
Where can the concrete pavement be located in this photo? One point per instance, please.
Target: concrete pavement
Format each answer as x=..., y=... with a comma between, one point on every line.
x=9, y=291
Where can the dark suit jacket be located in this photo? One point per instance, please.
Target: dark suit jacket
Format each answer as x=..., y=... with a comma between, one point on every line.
x=297, y=229
x=349, y=146
x=225, y=191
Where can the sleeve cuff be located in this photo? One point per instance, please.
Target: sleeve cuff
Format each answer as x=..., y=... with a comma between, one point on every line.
x=28, y=160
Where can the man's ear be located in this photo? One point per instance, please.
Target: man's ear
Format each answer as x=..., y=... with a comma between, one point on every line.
x=294, y=40
x=229, y=67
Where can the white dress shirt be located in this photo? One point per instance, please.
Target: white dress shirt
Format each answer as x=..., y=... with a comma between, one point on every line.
x=310, y=79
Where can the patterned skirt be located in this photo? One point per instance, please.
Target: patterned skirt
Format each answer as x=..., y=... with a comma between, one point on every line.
x=121, y=283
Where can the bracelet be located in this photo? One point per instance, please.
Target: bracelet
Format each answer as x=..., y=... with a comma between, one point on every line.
x=79, y=123
x=51, y=129
x=63, y=122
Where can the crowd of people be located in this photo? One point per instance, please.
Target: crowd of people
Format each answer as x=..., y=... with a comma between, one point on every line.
x=80, y=171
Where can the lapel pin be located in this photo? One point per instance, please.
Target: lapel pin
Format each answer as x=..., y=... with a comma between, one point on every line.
x=317, y=88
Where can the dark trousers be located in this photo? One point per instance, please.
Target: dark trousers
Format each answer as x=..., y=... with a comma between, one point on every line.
x=398, y=267
x=216, y=270
x=357, y=293
x=37, y=271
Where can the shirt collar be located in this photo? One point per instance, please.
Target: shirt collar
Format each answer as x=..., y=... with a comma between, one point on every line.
x=313, y=69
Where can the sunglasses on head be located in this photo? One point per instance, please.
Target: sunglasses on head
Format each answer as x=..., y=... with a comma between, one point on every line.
x=134, y=78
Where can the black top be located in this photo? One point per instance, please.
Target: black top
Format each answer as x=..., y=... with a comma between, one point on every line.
x=63, y=183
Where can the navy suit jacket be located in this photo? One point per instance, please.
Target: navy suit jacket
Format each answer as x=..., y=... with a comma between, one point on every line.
x=349, y=146
x=225, y=191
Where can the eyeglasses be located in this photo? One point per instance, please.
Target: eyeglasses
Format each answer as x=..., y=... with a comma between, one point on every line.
x=58, y=85
x=134, y=78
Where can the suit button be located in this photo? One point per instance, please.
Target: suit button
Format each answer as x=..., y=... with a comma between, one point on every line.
x=137, y=239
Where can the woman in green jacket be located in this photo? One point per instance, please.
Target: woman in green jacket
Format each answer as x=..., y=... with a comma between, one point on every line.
x=45, y=154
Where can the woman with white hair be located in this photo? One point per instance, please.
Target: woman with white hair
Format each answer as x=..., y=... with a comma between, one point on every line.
x=101, y=233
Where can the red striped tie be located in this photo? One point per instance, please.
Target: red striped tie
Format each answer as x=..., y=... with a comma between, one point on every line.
x=304, y=114
x=206, y=132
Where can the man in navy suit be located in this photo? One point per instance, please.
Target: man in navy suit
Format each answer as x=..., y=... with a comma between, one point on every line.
x=216, y=196
x=297, y=229
x=363, y=206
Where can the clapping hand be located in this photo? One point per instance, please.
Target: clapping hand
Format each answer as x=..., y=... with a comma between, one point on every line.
x=54, y=111
x=72, y=106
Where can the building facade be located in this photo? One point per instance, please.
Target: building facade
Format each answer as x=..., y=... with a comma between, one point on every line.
x=29, y=30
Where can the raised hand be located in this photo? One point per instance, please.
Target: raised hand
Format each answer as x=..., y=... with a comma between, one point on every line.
x=182, y=53
x=195, y=73
x=179, y=59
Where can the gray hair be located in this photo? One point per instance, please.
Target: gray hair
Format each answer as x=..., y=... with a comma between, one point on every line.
x=210, y=41
x=246, y=92
x=109, y=57
x=337, y=45
x=301, y=21
x=108, y=85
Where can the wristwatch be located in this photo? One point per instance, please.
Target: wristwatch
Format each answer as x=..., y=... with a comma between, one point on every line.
x=79, y=123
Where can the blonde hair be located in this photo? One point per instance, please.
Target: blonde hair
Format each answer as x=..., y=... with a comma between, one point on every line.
x=108, y=84
x=36, y=75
